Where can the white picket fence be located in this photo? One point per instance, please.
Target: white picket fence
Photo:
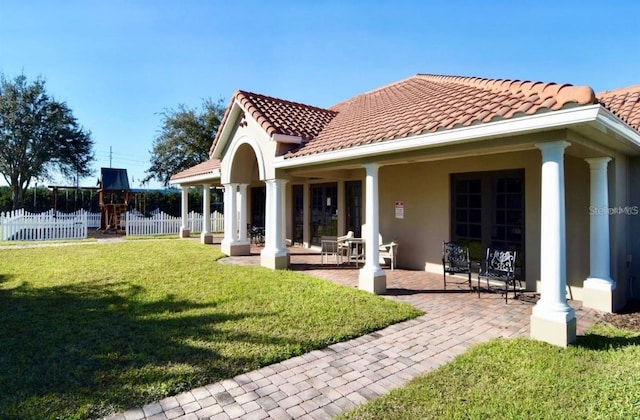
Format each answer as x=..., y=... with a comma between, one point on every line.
x=161, y=223
x=20, y=225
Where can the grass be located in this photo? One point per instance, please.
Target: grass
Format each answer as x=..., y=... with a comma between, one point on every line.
x=597, y=378
x=89, y=330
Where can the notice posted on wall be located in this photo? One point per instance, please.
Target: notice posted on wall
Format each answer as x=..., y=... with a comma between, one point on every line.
x=399, y=209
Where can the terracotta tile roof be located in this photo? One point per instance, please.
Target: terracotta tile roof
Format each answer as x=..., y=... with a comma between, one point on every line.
x=206, y=167
x=429, y=103
x=624, y=103
x=278, y=116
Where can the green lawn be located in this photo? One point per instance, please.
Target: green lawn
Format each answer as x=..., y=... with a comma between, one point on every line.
x=599, y=378
x=89, y=330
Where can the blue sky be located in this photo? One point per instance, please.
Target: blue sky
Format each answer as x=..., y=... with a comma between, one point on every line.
x=118, y=64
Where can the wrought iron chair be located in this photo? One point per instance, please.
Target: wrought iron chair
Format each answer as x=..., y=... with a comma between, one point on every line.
x=455, y=260
x=499, y=266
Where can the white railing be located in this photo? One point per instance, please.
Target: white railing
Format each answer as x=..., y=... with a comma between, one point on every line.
x=20, y=225
x=161, y=223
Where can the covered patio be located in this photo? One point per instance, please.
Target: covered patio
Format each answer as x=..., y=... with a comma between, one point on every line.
x=485, y=317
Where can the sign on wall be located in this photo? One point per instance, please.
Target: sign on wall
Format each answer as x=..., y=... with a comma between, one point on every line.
x=399, y=209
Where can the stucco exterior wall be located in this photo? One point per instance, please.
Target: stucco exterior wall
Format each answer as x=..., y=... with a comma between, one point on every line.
x=619, y=224
x=425, y=189
x=577, y=201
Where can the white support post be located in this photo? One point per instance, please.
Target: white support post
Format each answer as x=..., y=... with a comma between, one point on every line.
x=275, y=254
x=371, y=277
x=185, y=232
x=599, y=286
x=230, y=219
x=552, y=319
x=242, y=204
x=206, y=237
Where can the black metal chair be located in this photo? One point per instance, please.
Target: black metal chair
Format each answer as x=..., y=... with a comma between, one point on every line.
x=499, y=266
x=455, y=260
x=256, y=234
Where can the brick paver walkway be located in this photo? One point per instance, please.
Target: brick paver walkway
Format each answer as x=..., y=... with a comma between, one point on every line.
x=327, y=382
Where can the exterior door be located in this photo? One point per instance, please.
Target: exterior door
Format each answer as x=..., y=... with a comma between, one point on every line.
x=487, y=210
x=324, y=211
x=353, y=201
x=298, y=214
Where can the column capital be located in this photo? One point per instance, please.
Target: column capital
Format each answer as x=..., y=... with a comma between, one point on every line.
x=371, y=165
x=598, y=162
x=552, y=146
x=276, y=180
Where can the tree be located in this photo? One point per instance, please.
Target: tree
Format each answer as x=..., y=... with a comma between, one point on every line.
x=38, y=135
x=184, y=140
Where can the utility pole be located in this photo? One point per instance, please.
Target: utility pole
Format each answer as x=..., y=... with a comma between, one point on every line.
x=110, y=156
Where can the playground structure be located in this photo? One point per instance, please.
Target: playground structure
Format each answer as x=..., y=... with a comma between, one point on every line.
x=113, y=193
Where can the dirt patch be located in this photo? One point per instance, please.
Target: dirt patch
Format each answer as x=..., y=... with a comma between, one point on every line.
x=628, y=318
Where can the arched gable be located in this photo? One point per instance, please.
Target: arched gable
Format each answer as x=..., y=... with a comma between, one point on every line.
x=235, y=162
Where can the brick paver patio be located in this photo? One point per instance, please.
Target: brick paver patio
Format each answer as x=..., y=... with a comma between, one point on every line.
x=324, y=383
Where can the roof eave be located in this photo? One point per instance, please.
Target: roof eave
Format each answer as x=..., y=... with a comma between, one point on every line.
x=197, y=179
x=519, y=125
x=611, y=123
x=227, y=129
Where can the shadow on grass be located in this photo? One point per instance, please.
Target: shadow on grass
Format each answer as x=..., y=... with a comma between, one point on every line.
x=84, y=350
x=599, y=342
x=4, y=278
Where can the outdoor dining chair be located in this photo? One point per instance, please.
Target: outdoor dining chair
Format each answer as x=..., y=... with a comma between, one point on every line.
x=455, y=260
x=499, y=266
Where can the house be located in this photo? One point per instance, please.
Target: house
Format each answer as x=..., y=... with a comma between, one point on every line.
x=543, y=168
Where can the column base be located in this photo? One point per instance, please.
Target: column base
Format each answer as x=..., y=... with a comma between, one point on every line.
x=372, y=280
x=274, y=259
x=554, y=328
x=185, y=232
x=206, y=238
x=233, y=249
x=598, y=294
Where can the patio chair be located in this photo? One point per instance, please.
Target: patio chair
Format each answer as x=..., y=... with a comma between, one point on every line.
x=329, y=248
x=499, y=266
x=344, y=249
x=455, y=260
x=388, y=252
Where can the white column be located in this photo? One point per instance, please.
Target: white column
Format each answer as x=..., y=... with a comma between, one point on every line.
x=275, y=253
x=242, y=220
x=371, y=277
x=599, y=285
x=230, y=218
x=184, y=210
x=206, y=237
x=552, y=319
